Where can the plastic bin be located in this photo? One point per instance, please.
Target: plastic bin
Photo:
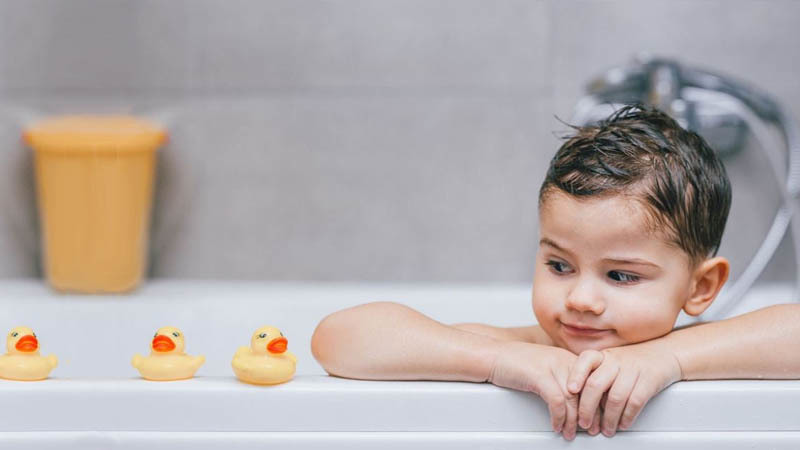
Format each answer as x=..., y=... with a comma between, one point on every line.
x=94, y=177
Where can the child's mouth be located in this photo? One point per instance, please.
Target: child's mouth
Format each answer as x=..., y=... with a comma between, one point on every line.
x=584, y=332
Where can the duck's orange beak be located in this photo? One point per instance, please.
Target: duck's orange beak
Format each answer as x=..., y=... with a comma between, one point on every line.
x=278, y=345
x=27, y=343
x=162, y=343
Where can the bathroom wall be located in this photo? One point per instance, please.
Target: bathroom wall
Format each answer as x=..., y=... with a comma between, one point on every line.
x=362, y=140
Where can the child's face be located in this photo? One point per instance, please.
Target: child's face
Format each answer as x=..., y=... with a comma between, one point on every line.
x=599, y=267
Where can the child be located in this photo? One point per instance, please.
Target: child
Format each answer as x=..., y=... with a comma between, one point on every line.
x=631, y=215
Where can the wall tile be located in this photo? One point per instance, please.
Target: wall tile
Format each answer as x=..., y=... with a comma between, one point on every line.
x=83, y=45
x=373, y=189
x=277, y=45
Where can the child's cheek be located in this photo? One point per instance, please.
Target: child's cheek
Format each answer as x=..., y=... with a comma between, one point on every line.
x=642, y=322
x=546, y=306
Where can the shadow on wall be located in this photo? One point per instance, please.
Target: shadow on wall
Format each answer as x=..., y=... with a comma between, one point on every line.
x=18, y=220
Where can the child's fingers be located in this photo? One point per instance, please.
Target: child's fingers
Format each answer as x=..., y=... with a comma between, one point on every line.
x=595, y=428
x=598, y=383
x=557, y=416
x=571, y=424
x=642, y=393
x=616, y=399
x=587, y=361
x=551, y=393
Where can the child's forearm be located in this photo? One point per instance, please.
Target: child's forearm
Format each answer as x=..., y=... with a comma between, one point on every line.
x=389, y=341
x=761, y=344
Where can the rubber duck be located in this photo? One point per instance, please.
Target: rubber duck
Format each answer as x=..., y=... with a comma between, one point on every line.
x=266, y=361
x=23, y=362
x=167, y=361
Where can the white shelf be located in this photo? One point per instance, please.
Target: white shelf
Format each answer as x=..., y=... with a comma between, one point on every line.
x=146, y=440
x=323, y=403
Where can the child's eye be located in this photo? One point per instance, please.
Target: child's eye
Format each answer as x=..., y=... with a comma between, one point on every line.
x=623, y=277
x=558, y=266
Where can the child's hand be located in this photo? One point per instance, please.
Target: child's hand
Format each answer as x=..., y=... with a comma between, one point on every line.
x=543, y=370
x=629, y=376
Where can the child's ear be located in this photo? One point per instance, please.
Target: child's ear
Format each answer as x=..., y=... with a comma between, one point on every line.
x=707, y=280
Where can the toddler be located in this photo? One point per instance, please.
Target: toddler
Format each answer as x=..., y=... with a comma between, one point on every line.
x=631, y=214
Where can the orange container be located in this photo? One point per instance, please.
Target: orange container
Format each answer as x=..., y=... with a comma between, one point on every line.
x=94, y=178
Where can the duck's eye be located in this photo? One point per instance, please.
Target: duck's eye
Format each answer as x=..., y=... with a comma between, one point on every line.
x=14, y=334
x=34, y=334
x=155, y=335
x=262, y=335
x=175, y=334
x=281, y=334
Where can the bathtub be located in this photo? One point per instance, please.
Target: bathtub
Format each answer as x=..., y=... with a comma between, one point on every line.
x=95, y=399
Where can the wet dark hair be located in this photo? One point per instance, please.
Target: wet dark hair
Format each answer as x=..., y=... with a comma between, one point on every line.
x=642, y=152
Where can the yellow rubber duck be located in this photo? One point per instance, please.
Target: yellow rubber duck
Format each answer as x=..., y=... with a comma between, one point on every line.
x=23, y=362
x=167, y=361
x=266, y=361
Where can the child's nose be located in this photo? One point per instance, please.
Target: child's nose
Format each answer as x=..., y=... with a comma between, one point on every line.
x=583, y=297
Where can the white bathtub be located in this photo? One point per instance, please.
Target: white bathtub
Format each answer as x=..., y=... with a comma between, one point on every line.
x=95, y=399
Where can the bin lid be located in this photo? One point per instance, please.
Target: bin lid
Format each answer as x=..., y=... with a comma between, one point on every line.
x=91, y=133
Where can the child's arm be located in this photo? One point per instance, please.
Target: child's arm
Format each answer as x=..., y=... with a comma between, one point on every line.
x=388, y=324
x=390, y=341
x=760, y=344
x=532, y=334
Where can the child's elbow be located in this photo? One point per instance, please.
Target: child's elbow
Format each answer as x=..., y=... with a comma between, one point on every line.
x=334, y=336
x=322, y=341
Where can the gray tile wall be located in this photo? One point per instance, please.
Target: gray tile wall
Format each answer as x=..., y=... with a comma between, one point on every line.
x=361, y=140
